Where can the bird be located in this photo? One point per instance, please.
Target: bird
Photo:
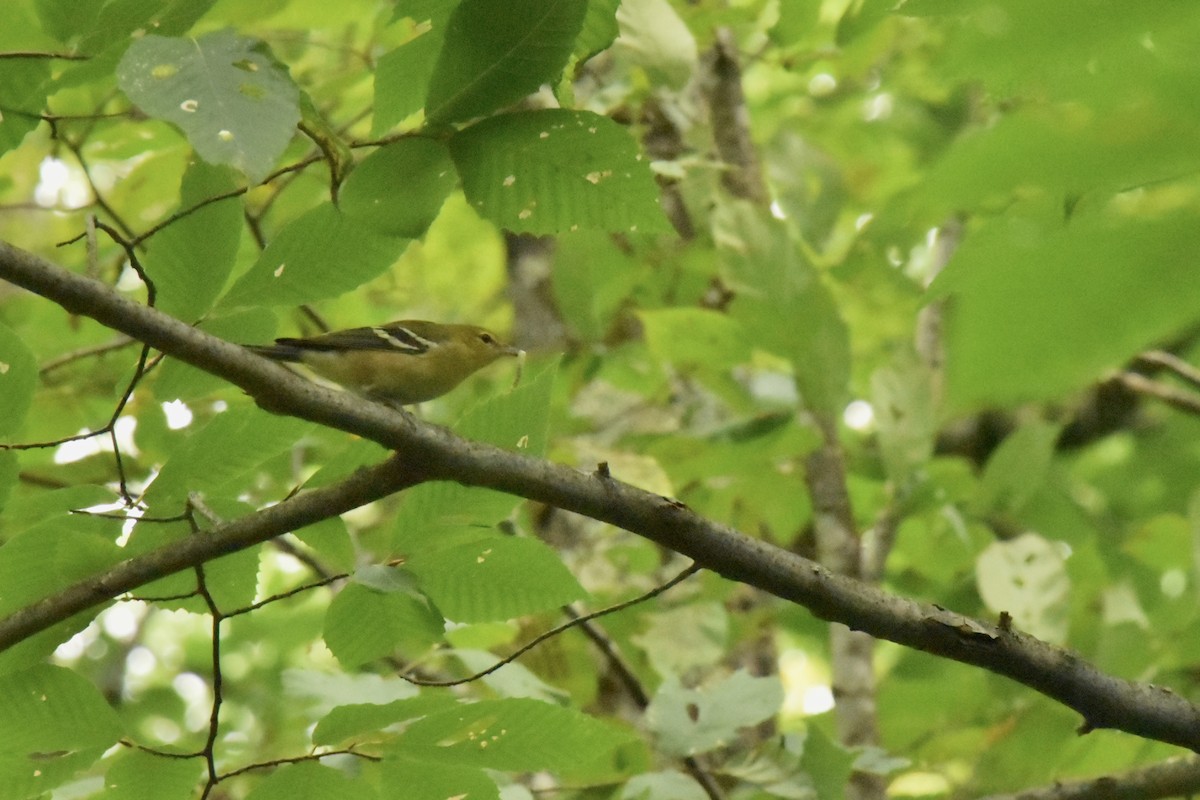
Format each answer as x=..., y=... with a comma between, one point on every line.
x=400, y=363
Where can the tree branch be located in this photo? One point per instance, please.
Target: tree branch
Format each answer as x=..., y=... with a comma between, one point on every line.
x=306, y=508
x=1104, y=701
x=1176, y=777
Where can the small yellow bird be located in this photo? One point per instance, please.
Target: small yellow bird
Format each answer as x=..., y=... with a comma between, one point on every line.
x=400, y=363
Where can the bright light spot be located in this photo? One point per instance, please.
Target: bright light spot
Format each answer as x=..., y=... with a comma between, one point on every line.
x=60, y=186
x=124, y=428
x=53, y=175
x=878, y=107
x=777, y=210
x=919, y=784
x=163, y=729
x=123, y=620
x=140, y=662
x=806, y=690
x=859, y=415
x=817, y=700
x=822, y=85
x=70, y=452
x=74, y=648
x=178, y=414
x=195, y=694
x=219, y=406
x=191, y=687
x=1173, y=583
x=863, y=220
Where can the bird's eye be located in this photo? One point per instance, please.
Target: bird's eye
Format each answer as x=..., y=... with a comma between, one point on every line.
x=487, y=338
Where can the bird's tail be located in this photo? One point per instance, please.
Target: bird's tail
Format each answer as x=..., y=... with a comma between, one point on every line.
x=277, y=352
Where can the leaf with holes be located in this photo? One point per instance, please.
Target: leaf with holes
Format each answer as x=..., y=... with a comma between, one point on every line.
x=556, y=170
x=236, y=105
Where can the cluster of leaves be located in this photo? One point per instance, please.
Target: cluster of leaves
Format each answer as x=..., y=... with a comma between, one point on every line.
x=371, y=161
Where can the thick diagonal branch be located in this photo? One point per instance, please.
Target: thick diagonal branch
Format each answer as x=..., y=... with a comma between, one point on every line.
x=1103, y=700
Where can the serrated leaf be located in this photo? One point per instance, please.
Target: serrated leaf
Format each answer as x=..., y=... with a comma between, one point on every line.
x=308, y=260
x=48, y=709
x=236, y=105
x=425, y=780
x=495, y=577
x=363, y=625
x=399, y=189
x=312, y=781
x=223, y=452
x=498, y=51
x=18, y=379
x=515, y=734
x=555, y=170
x=692, y=721
x=191, y=259
x=138, y=775
x=43, y=560
x=360, y=720
x=516, y=420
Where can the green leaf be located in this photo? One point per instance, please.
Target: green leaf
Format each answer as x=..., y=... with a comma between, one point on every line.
x=599, y=28
x=695, y=337
x=311, y=781
x=1062, y=152
x=236, y=105
x=498, y=51
x=24, y=776
x=494, y=577
x=402, y=77
x=517, y=735
x=138, y=775
x=177, y=380
x=1017, y=469
x=686, y=638
x=46, y=710
x=902, y=397
x=23, y=89
x=516, y=420
x=692, y=721
x=785, y=307
x=353, y=722
x=18, y=379
x=399, y=189
x=426, y=780
x=662, y=786
x=363, y=625
x=43, y=560
x=222, y=454
x=191, y=259
x=1027, y=578
x=555, y=170
x=1038, y=310
x=308, y=260
x=828, y=763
